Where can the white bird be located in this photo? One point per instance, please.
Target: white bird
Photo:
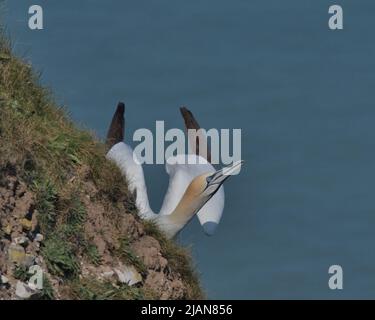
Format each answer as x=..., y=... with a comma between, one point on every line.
x=181, y=173
x=190, y=186
x=189, y=167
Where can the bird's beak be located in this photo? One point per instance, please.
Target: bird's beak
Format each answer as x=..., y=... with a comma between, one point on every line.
x=223, y=174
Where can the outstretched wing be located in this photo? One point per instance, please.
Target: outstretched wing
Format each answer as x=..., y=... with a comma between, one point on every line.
x=117, y=128
x=210, y=214
x=192, y=123
x=122, y=155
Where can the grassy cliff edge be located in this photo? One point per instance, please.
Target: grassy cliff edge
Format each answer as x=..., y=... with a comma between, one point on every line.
x=66, y=209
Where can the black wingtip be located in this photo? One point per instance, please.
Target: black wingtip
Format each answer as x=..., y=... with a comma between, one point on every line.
x=192, y=123
x=185, y=112
x=120, y=109
x=117, y=128
x=183, y=109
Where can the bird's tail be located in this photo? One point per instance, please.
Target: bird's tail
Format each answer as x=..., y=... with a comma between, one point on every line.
x=117, y=128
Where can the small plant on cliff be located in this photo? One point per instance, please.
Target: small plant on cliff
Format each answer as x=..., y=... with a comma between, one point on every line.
x=80, y=197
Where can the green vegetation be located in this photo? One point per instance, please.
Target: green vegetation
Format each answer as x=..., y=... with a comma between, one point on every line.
x=65, y=166
x=21, y=273
x=179, y=259
x=128, y=255
x=47, y=291
x=90, y=289
x=93, y=254
x=46, y=199
x=60, y=257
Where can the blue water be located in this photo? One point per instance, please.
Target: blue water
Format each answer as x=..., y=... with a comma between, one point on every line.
x=302, y=94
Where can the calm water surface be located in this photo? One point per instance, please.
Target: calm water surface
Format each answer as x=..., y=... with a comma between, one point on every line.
x=302, y=94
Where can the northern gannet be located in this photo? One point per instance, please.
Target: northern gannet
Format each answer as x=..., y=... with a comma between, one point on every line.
x=192, y=187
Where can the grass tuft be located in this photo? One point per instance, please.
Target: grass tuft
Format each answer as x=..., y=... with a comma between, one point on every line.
x=48, y=152
x=93, y=254
x=46, y=201
x=21, y=273
x=60, y=258
x=47, y=292
x=91, y=289
x=179, y=259
x=126, y=253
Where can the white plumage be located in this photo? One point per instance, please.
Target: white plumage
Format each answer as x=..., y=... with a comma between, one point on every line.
x=182, y=169
x=195, y=187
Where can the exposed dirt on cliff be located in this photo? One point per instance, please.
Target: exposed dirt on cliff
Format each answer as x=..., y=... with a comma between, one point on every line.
x=66, y=211
x=104, y=227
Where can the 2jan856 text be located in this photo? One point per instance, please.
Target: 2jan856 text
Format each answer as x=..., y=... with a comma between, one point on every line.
x=187, y=310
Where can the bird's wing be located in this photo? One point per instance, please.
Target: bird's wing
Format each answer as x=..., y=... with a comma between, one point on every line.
x=116, y=130
x=122, y=155
x=192, y=123
x=182, y=171
x=210, y=214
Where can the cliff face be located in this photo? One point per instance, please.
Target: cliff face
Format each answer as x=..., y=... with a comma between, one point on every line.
x=66, y=210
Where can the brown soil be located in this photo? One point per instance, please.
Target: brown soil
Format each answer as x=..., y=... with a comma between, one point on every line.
x=104, y=226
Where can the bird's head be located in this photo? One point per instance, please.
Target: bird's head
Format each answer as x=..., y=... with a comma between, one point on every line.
x=206, y=185
x=201, y=189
